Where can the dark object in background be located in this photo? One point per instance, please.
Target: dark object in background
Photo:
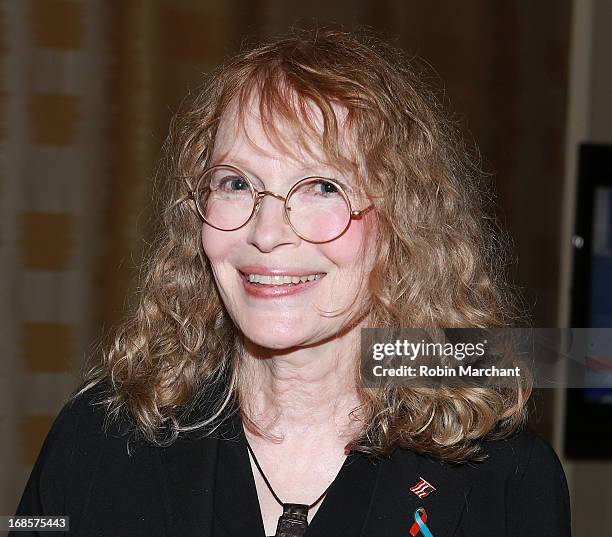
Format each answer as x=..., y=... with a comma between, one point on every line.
x=588, y=434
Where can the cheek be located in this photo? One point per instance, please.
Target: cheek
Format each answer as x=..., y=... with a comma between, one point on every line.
x=328, y=223
x=344, y=252
x=218, y=248
x=216, y=244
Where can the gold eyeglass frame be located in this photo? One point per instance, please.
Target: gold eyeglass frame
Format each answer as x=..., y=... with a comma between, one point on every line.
x=258, y=196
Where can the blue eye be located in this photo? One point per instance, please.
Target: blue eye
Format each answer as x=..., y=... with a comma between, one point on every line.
x=233, y=183
x=325, y=188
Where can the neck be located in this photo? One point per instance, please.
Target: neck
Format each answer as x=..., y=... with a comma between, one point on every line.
x=303, y=390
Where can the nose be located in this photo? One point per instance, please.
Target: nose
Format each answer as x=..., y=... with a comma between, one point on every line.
x=269, y=226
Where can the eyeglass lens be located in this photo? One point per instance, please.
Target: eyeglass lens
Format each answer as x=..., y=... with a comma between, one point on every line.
x=317, y=209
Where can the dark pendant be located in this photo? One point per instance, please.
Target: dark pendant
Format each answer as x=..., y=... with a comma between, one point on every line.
x=294, y=520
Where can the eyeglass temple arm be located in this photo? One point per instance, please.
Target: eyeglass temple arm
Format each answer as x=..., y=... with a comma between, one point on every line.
x=186, y=179
x=361, y=211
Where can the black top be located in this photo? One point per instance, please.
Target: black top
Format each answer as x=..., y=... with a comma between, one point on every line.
x=112, y=487
x=342, y=511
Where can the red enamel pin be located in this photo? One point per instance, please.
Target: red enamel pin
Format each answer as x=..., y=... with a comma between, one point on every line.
x=422, y=488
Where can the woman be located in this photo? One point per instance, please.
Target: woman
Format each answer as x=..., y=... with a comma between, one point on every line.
x=312, y=188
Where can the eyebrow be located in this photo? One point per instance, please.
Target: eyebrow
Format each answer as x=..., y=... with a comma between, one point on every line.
x=303, y=172
x=244, y=165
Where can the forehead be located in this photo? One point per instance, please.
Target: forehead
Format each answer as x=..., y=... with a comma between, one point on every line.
x=244, y=136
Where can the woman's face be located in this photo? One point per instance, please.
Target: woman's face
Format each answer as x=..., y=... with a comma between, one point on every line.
x=282, y=316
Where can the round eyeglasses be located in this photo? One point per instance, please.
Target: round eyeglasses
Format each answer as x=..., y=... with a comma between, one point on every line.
x=316, y=208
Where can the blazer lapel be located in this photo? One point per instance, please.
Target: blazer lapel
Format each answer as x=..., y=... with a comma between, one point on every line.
x=394, y=504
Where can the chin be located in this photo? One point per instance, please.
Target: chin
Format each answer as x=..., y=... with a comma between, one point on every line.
x=276, y=337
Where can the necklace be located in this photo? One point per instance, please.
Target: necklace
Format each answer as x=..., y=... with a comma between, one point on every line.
x=294, y=520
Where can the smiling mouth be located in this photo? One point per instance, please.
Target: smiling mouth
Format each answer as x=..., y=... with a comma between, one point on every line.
x=275, y=280
x=278, y=285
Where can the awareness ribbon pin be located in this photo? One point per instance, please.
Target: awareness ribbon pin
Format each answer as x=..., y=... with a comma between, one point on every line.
x=419, y=524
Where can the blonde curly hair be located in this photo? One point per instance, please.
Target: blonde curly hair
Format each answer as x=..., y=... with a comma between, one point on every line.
x=440, y=256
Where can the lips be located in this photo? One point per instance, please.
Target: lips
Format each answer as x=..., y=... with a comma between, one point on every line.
x=272, y=290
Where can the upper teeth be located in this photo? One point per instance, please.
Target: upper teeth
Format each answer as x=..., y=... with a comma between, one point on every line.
x=279, y=280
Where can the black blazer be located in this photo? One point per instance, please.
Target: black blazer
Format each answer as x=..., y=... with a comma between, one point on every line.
x=519, y=491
